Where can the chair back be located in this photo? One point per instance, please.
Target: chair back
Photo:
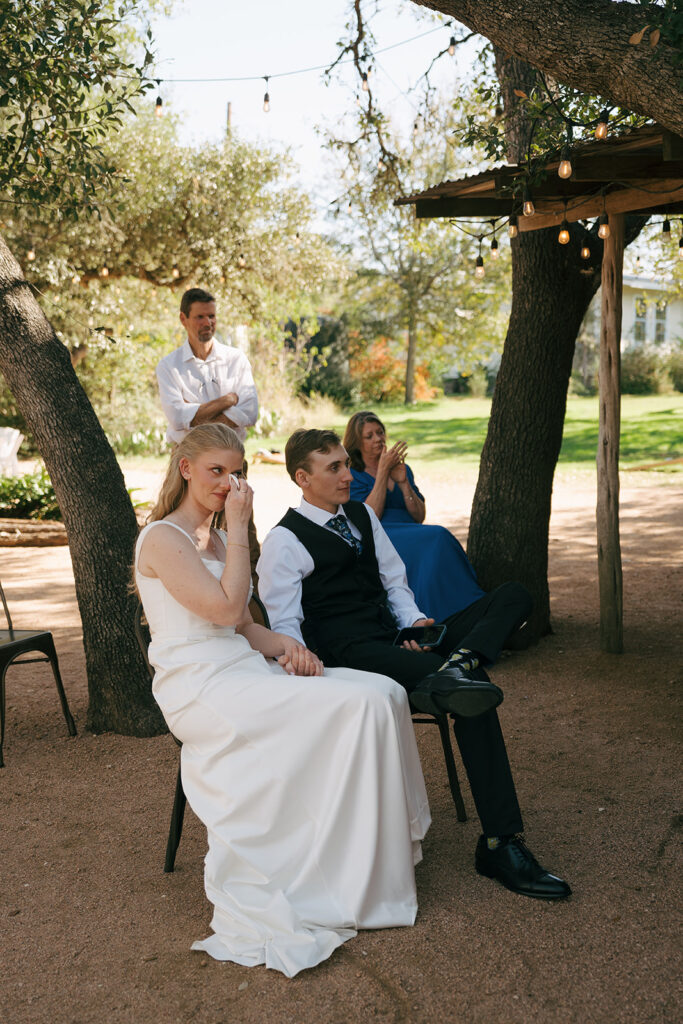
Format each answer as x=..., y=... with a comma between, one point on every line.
x=143, y=635
x=7, y=614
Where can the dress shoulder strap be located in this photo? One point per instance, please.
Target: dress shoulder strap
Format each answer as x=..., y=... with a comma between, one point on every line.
x=145, y=530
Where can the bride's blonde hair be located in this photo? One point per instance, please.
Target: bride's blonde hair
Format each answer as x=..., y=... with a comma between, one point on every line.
x=196, y=441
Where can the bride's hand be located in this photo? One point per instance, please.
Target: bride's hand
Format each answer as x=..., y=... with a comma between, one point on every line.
x=238, y=503
x=297, y=660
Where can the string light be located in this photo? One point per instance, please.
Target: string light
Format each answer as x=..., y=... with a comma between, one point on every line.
x=297, y=239
x=365, y=87
x=565, y=168
x=31, y=255
x=513, y=230
x=266, y=97
x=602, y=125
x=563, y=237
x=451, y=47
x=76, y=279
x=528, y=208
x=381, y=166
x=241, y=261
x=680, y=248
x=494, y=248
x=585, y=252
x=479, y=263
x=159, y=105
x=604, y=229
x=175, y=273
x=104, y=271
x=666, y=229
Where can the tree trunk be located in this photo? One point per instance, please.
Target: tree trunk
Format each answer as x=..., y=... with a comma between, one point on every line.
x=508, y=537
x=410, y=360
x=584, y=43
x=95, y=505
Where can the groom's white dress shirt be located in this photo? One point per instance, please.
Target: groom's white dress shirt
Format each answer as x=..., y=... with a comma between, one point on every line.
x=186, y=382
x=285, y=563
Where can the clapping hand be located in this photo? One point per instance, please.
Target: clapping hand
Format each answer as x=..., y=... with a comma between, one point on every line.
x=392, y=460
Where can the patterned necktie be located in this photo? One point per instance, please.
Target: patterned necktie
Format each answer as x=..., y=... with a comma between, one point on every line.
x=340, y=525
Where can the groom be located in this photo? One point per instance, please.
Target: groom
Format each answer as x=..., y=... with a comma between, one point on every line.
x=329, y=575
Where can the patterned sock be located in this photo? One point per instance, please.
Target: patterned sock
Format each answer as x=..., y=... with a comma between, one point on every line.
x=462, y=658
x=493, y=842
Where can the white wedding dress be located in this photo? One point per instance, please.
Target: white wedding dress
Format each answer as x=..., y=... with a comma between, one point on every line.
x=311, y=789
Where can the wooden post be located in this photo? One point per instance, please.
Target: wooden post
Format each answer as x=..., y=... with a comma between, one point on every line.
x=609, y=549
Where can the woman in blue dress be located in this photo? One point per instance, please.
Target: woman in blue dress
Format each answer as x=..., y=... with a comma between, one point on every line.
x=438, y=571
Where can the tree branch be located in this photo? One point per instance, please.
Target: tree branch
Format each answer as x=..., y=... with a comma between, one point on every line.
x=585, y=44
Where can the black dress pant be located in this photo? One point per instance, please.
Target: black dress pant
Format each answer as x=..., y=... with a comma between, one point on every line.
x=484, y=627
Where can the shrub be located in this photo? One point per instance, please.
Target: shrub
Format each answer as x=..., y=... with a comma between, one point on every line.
x=675, y=368
x=642, y=372
x=380, y=376
x=28, y=497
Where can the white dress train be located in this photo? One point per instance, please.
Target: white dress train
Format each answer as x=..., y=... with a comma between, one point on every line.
x=310, y=788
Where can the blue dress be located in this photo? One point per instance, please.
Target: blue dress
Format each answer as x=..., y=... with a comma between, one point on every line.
x=439, y=574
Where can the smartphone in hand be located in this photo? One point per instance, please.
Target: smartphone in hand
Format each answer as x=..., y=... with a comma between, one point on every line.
x=425, y=636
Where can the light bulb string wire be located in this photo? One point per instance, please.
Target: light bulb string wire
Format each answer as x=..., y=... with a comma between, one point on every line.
x=98, y=331
x=297, y=71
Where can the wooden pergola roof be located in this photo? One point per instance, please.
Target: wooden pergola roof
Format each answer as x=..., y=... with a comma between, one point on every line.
x=641, y=171
x=638, y=172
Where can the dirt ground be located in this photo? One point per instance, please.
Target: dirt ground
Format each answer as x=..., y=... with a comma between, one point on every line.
x=92, y=930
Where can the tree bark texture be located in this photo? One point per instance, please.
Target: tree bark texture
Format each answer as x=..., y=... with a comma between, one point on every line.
x=95, y=505
x=585, y=44
x=508, y=537
x=609, y=547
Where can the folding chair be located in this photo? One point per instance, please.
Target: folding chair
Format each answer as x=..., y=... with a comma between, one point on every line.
x=13, y=644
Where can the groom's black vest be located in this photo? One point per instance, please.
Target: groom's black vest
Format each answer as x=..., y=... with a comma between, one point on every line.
x=343, y=599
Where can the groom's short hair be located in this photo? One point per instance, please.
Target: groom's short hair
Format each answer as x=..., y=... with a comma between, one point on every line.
x=303, y=443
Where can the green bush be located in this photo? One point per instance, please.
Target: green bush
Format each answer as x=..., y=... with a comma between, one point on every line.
x=642, y=372
x=28, y=497
x=675, y=368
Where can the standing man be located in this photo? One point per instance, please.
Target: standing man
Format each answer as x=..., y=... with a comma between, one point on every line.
x=204, y=381
x=329, y=576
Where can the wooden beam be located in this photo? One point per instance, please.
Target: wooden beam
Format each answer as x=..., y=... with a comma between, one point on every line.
x=492, y=207
x=609, y=548
x=627, y=200
x=627, y=167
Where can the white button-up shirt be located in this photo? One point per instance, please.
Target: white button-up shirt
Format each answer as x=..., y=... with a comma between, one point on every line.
x=186, y=382
x=285, y=563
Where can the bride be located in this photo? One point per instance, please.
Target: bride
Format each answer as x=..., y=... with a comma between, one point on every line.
x=307, y=779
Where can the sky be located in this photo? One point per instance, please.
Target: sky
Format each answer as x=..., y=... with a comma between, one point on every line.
x=213, y=39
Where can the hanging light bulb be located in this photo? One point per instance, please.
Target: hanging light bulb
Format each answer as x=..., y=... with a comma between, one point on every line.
x=416, y=128
x=563, y=237
x=637, y=263
x=266, y=97
x=159, y=105
x=381, y=166
x=601, y=128
x=680, y=248
x=349, y=208
x=585, y=252
x=31, y=255
x=604, y=230
x=364, y=77
x=451, y=47
x=565, y=168
x=513, y=230
x=357, y=100
x=666, y=229
x=479, y=267
x=241, y=261
x=528, y=208
x=175, y=273
x=76, y=279
x=494, y=248
x=104, y=271
x=297, y=239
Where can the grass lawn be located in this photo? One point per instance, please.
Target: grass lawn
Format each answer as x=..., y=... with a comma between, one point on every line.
x=455, y=428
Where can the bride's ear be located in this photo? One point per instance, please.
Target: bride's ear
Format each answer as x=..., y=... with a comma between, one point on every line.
x=184, y=467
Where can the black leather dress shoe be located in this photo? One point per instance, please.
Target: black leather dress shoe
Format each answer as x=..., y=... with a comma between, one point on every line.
x=516, y=867
x=455, y=690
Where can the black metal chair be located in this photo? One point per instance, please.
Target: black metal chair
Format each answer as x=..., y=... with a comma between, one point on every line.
x=13, y=644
